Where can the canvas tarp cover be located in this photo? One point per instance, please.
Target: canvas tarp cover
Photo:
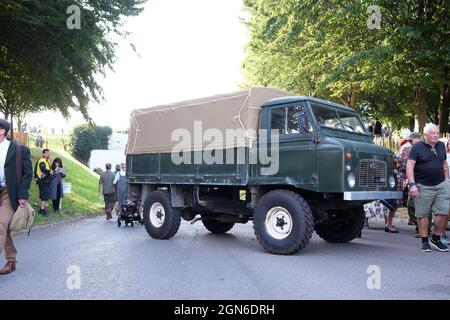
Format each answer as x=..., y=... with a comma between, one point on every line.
x=159, y=129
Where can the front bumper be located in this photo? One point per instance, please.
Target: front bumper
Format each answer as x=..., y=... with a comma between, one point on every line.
x=372, y=195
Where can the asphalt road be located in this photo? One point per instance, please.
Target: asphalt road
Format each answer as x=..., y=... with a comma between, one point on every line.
x=126, y=263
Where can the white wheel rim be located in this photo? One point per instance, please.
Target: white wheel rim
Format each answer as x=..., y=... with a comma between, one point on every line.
x=278, y=223
x=157, y=214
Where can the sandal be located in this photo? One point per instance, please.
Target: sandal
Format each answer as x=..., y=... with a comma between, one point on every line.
x=386, y=229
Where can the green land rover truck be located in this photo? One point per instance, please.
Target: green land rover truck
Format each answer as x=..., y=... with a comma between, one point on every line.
x=291, y=164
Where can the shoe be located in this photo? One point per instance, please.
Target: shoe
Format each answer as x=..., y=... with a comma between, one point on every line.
x=43, y=212
x=9, y=267
x=438, y=245
x=426, y=247
x=444, y=239
x=386, y=229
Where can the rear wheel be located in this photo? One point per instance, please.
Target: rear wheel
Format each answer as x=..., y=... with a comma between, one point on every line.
x=344, y=226
x=161, y=220
x=215, y=226
x=283, y=222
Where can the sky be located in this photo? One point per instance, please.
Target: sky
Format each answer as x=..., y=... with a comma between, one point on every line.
x=185, y=50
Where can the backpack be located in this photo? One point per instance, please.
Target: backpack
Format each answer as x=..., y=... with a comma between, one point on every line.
x=44, y=179
x=23, y=218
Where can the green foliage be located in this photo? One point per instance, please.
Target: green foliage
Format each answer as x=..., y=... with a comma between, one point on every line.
x=86, y=138
x=44, y=63
x=325, y=49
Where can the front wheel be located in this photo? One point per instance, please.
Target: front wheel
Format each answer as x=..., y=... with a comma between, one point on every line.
x=161, y=220
x=344, y=226
x=283, y=222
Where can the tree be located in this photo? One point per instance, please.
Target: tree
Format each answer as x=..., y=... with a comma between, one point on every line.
x=44, y=63
x=325, y=48
x=86, y=138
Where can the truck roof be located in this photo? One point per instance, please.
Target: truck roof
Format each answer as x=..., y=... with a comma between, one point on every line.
x=292, y=99
x=151, y=129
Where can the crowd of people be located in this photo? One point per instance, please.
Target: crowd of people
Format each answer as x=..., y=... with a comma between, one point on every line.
x=423, y=177
x=381, y=133
x=114, y=188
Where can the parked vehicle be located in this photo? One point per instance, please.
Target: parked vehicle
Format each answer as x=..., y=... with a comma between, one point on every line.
x=300, y=164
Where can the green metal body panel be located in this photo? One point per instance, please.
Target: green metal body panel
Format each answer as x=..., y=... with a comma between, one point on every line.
x=158, y=168
x=314, y=161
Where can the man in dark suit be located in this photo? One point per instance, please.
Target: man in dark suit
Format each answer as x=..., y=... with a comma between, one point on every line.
x=15, y=180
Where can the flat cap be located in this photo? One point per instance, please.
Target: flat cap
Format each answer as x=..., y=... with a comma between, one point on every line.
x=5, y=124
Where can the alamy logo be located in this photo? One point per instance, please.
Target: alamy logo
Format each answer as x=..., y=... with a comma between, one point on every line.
x=73, y=282
x=374, y=20
x=74, y=20
x=217, y=147
x=374, y=280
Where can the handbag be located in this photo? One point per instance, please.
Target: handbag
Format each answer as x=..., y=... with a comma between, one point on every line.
x=23, y=217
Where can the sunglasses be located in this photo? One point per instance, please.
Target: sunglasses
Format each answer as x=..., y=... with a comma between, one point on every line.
x=433, y=151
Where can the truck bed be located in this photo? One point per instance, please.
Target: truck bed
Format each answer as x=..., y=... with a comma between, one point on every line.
x=158, y=168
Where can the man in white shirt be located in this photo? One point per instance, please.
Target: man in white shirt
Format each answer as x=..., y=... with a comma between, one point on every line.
x=4, y=146
x=15, y=180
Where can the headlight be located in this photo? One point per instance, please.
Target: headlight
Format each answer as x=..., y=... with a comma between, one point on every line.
x=351, y=180
x=391, y=182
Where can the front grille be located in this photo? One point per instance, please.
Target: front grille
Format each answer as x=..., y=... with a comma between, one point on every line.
x=372, y=174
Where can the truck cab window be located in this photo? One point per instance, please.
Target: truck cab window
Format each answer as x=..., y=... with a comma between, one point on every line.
x=278, y=120
x=290, y=120
x=326, y=117
x=351, y=122
x=298, y=121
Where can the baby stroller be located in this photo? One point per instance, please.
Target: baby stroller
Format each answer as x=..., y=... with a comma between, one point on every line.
x=130, y=214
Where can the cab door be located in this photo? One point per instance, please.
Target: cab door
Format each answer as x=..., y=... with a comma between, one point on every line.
x=296, y=147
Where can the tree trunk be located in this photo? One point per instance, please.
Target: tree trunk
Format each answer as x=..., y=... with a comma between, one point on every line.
x=11, y=129
x=436, y=116
x=19, y=124
x=444, y=106
x=411, y=123
x=20, y=119
x=421, y=111
x=353, y=98
x=344, y=101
